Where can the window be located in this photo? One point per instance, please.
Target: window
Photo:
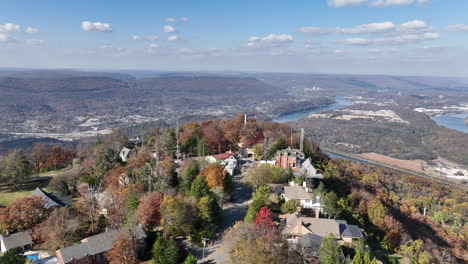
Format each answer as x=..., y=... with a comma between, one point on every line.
x=307, y=201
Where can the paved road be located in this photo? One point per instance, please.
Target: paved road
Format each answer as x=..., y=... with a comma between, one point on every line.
x=232, y=212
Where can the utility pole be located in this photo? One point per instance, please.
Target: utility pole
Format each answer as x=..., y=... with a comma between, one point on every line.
x=177, y=140
x=204, y=244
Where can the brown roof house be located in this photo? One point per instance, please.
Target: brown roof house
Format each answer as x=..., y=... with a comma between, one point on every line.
x=296, y=226
x=22, y=240
x=94, y=247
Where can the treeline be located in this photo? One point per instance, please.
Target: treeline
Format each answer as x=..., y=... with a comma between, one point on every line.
x=416, y=218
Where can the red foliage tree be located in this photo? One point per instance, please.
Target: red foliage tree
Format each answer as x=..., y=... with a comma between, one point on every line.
x=22, y=214
x=148, y=211
x=264, y=218
x=123, y=250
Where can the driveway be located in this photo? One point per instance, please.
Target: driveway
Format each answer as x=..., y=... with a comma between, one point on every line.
x=232, y=212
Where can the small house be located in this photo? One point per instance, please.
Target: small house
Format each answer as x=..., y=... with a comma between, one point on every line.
x=22, y=240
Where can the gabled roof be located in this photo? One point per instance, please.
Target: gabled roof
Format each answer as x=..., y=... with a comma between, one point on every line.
x=96, y=244
x=19, y=239
x=350, y=231
x=223, y=156
x=50, y=199
x=296, y=193
x=310, y=170
x=310, y=241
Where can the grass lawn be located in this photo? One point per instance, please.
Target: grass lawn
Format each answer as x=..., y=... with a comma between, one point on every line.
x=8, y=196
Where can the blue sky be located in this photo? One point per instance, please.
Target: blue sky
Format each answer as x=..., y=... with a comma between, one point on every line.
x=402, y=37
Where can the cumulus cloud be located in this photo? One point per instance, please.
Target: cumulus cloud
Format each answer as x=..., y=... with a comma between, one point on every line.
x=31, y=30
x=458, y=28
x=10, y=27
x=385, y=3
x=313, y=30
x=413, y=25
x=170, y=20
x=143, y=38
x=272, y=40
x=368, y=28
x=174, y=38
x=169, y=29
x=344, y=3
x=34, y=42
x=96, y=26
x=394, y=40
x=374, y=3
x=357, y=41
x=184, y=19
x=153, y=46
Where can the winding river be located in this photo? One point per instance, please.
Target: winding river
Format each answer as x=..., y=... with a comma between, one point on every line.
x=293, y=116
x=452, y=121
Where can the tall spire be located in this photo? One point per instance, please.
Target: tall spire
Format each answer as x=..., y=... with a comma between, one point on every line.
x=302, y=140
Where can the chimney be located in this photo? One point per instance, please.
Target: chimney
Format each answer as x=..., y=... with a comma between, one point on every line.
x=298, y=209
x=245, y=118
x=317, y=213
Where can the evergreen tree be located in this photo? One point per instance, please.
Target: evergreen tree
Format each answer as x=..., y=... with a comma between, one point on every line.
x=16, y=169
x=13, y=256
x=358, y=258
x=190, y=259
x=199, y=188
x=202, y=149
x=330, y=252
x=165, y=252
x=330, y=204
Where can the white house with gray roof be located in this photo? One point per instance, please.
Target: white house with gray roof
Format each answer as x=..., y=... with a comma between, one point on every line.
x=94, y=247
x=22, y=240
x=303, y=195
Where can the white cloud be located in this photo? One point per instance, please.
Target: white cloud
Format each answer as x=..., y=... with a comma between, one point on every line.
x=277, y=40
x=184, y=19
x=339, y=52
x=169, y=29
x=34, y=42
x=458, y=28
x=396, y=40
x=153, y=46
x=374, y=51
x=368, y=28
x=170, y=20
x=413, y=25
x=375, y=3
x=254, y=39
x=357, y=41
x=174, y=38
x=31, y=30
x=344, y=3
x=147, y=38
x=10, y=27
x=386, y=3
x=313, y=30
x=3, y=38
x=96, y=26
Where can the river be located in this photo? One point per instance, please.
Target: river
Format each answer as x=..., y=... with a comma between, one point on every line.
x=293, y=116
x=452, y=121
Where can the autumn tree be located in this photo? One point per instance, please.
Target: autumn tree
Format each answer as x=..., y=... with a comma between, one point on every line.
x=246, y=243
x=39, y=154
x=264, y=218
x=260, y=199
x=15, y=168
x=265, y=174
x=123, y=250
x=61, y=229
x=89, y=205
x=148, y=211
x=179, y=215
x=214, y=136
x=22, y=214
x=376, y=212
x=329, y=251
x=214, y=175
x=59, y=157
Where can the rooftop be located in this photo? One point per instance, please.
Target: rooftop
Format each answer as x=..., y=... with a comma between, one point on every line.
x=19, y=239
x=51, y=199
x=296, y=193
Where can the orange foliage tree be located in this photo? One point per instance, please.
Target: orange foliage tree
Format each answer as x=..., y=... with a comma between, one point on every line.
x=148, y=211
x=22, y=214
x=215, y=176
x=123, y=250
